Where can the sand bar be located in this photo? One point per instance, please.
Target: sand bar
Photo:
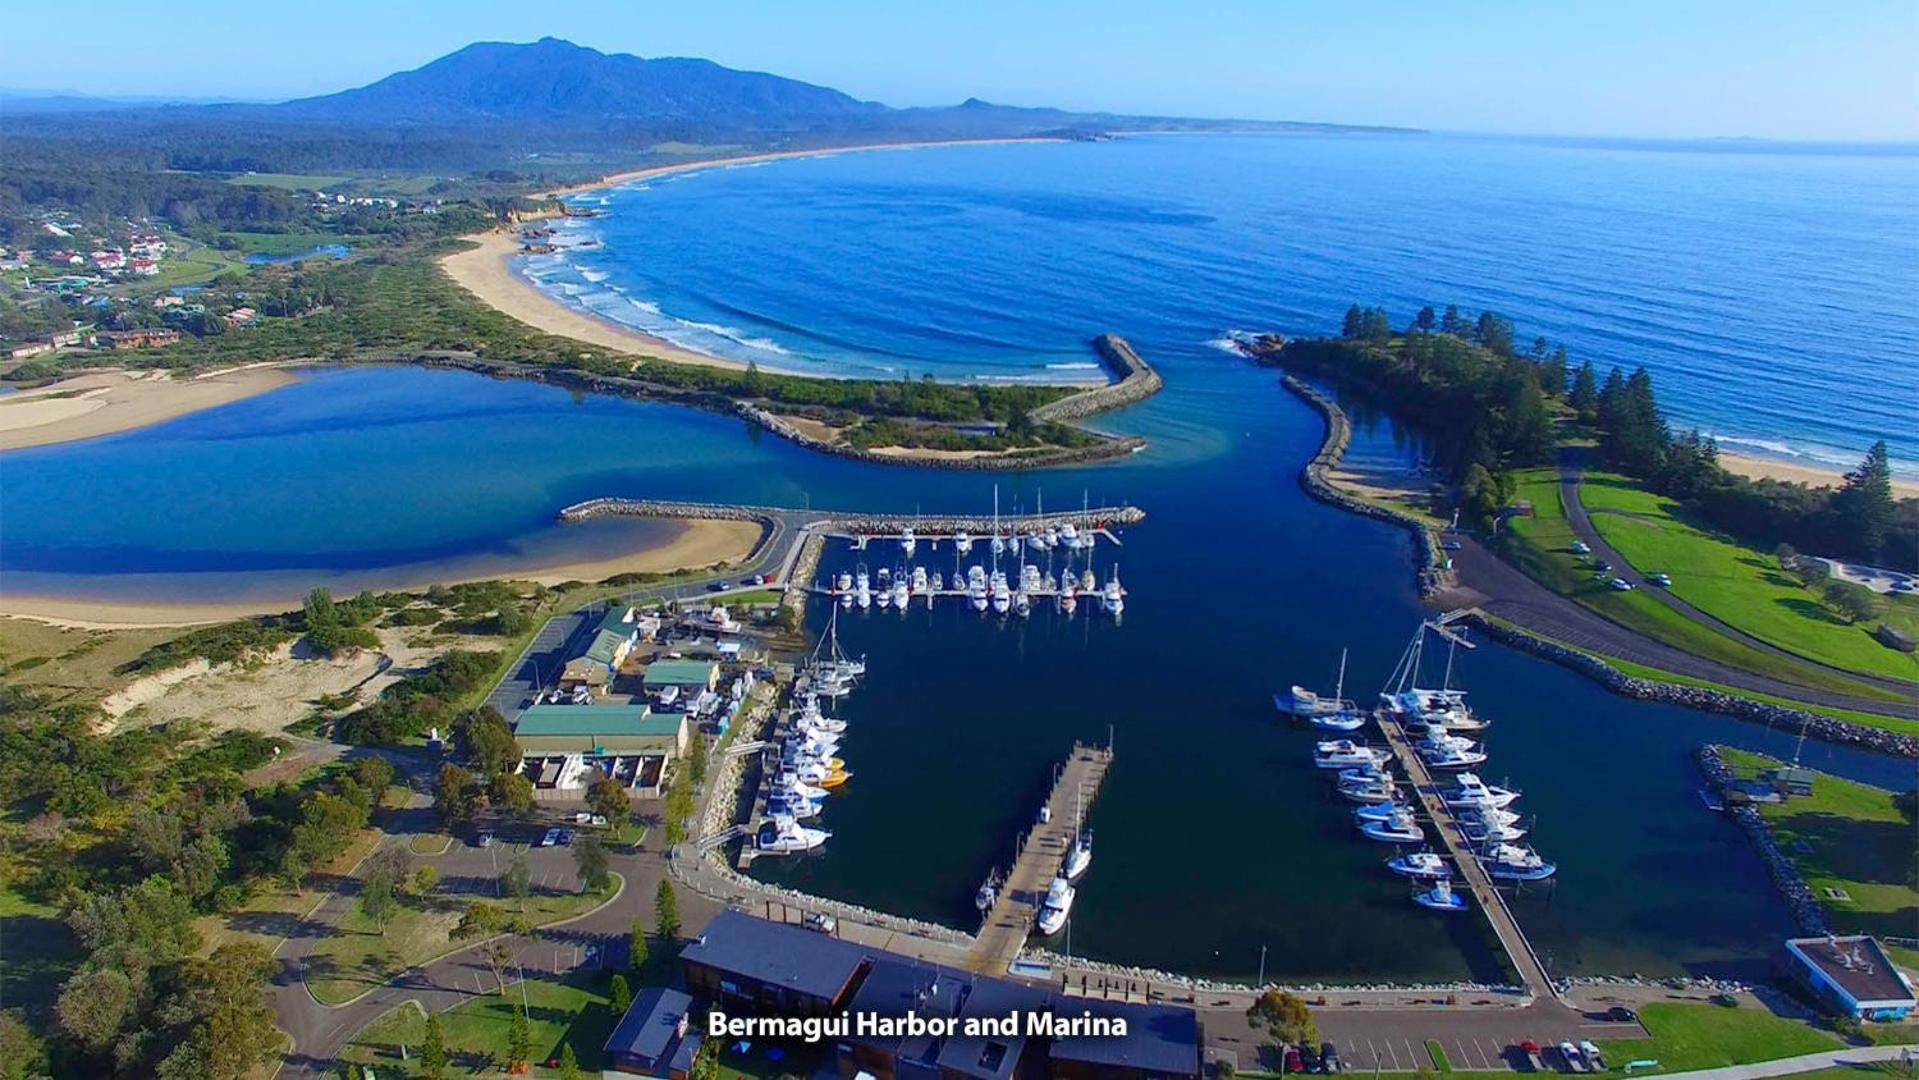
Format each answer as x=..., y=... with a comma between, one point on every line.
x=109, y=402
x=1818, y=476
x=697, y=544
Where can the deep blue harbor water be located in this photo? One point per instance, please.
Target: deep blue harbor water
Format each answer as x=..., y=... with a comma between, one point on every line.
x=1214, y=835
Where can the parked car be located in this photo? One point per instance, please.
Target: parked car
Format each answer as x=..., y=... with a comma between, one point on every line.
x=1621, y=584
x=1622, y=1014
x=1601, y=564
x=1294, y=1063
x=820, y=922
x=1329, y=1058
x=1535, y=1058
x=1580, y=547
x=716, y=586
x=484, y=839
x=566, y=836
x=1311, y=1058
x=1575, y=1061
x=1593, y=1057
x=552, y=837
x=1451, y=545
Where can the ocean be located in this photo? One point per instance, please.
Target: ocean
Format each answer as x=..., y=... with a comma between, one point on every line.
x=1215, y=837
x=1768, y=289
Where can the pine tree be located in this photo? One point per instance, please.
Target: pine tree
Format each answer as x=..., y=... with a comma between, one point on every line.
x=618, y=997
x=1451, y=322
x=1864, y=507
x=1426, y=320
x=1351, y=326
x=569, y=1063
x=636, y=955
x=433, y=1049
x=666, y=908
x=1584, y=396
x=519, y=1039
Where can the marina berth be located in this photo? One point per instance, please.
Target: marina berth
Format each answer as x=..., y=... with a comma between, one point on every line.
x=1420, y=865
x=1400, y=828
x=781, y=835
x=1440, y=897
x=1468, y=790
x=1509, y=862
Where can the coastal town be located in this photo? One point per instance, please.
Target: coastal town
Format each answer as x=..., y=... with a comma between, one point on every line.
x=553, y=562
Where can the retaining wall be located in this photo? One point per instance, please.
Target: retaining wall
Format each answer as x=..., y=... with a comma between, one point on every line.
x=1785, y=872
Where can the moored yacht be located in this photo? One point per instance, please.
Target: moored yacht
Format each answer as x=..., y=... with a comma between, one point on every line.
x=1510, y=862
x=1469, y=790
x=1113, y=598
x=963, y=542
x=1346, y=754
x=1079, y=856
x=988, y=893
x=901, y=593
x=1440, y=897
x=782, y=835
x=1331, y=713
x=1369, y=789
x=1385, y=811
x=920, y=582
x=1398, y=829
x=1489, y=832
x=1419, y=865
x=908, y=542
x=1452, y=757
x=1058, y=905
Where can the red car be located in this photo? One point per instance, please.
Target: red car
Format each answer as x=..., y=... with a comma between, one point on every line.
x=1294, y=1063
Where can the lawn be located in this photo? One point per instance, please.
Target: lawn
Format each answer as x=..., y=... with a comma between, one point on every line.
x=1738, y=584
x=357, y=956
x=288, y=181
x=1848, y=836
x=573, y=1010
x=1540, y=545
x=1866, y=719
x=255, y=243
x=1707, y=1036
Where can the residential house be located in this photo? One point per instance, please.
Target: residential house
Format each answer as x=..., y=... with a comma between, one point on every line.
x=654, y=1038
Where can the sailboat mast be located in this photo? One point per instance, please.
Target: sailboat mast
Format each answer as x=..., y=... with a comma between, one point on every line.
x=1339, y=689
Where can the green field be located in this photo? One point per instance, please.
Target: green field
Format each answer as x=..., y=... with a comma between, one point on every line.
x=1848, y=836
x=252, y=243
x=1865, y=719
x=188, y=263
x=1707, y=1036
x=1737, y=584
x=356, y=956
x=1541, y=546
x=288, y=181
x=572, y=1011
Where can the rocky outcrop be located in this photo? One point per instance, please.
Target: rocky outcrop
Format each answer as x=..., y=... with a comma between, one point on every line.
x=1427, y=562
x=1817, y=725
x=1784, y=871
x=1134, y=381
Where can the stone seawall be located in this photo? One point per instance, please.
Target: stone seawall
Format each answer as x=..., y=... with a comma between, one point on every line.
x=1784, y=871
x=1106, y=449
x=1817, y=725
x=1135, y=381
x=1427, y=562
x=852, y=522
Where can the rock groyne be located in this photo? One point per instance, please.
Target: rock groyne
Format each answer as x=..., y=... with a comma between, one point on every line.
x=1783, y=870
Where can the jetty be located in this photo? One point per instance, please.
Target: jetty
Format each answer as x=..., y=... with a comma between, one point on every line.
x=1485, y=892
x=1042, y=851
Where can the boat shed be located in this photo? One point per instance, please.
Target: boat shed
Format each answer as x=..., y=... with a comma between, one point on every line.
x=654, y=1037
x=751, y=966
x=599, y=730
x=616, y=635
x=690, y=677
x=1854, y=974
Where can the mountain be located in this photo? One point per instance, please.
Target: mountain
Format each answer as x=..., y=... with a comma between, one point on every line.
x=553, y=80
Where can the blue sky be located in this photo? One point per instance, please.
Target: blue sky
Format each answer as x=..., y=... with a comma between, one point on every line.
x=1764, y=69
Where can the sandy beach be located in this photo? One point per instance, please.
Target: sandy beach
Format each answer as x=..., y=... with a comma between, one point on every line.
x=698, y=544
x=1766, y=469
x=108, y=402
x=485, y=272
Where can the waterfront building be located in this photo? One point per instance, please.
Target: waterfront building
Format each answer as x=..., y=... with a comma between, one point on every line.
x=563, y=747
x=690, y=677
x=1852, y=974
x=616, y=635
x=654, y=1037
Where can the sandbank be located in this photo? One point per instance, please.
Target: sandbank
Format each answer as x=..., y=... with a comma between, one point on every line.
x=109, y=402
x=1818, y=476
x=697, y=544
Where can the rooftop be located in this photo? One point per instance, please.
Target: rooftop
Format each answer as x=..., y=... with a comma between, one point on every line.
x=1857, y=965
x=1159, y=1038
x=596, y=720
x=799, y=960
x=679, y=672
x=651, y=1029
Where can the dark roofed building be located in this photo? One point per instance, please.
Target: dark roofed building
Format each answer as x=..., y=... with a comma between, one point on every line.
x=994, y=1057
x=654, y=1038
x=1854, y=974
x=743, y=961
x=1160, y=1041
x=893, y=987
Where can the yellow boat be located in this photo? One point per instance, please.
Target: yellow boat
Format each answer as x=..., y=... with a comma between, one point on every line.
x=834, y=779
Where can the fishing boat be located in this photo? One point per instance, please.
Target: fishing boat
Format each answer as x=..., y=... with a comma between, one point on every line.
x=901, y=594
x=1489, y=832
x=1346, y=754
x=835, y=779
x=963, y=542
x=1378, y=771
x=1440, y=897
x=908, y=542
x=1469, y=790
x=789, y=783
x=781, y=835
x=1385, y=811
x=816, y=724
x=1058, y=905
x=1452, y=757
x=988, y=893
x=1419, y=865
x=862, y=588
x=1398, y=829
x=1002, y=594
x=1510, y=862
x=920, y=581
x=796, y=808
x=1113, y=598
x=1368, y=790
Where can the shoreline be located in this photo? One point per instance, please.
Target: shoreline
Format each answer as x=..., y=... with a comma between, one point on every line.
x=488, y=274
x=1760, y=468
x=99, y=403
x=699, y=543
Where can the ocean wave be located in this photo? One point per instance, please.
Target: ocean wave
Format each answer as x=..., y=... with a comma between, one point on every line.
x=1077, y=366
x=1232, y=341
x=1802, y=453
x=594, y=276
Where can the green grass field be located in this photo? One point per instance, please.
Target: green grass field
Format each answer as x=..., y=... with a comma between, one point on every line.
x=1737, y=584
x=1707, y=1036
x=1848, y=836
x=1867, y=719
x=1541, y=546
x=357, y=956
x=288, y=181
x=572, y=1011
x=254, y=243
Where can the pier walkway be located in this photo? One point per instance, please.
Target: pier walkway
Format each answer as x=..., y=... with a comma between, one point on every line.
x=1519, y=951
x=1042, y=850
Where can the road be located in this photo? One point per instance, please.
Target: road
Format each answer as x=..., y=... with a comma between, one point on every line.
x=1570, y=476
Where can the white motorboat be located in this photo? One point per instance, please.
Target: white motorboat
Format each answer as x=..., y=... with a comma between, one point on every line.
x=908, y=542
x=1452, y=758
x=1440, y=897
x=988, y=893
x=1051, y=537
x=1001, y=593
x=815, y=724
x=1444, y=707
x=1377, y=772
x=1080, y=855
x=1488, y=815
x=789, y=784
x=1113, y=598
x=1398, y=829
x=920, y=581
x=782, y=835
x=843, y=583
x=1087, y=582
x=1371, y=790
x=1486, y=832
x=901, y=593
x=796, y=808
x=1469, y=790
x=1385, y=811
x=1069, y=535
x=963, y=542
x=884, y=597
x=1510, y=862
x=862, y=588
x=1345, y=754
x=1012, y=542
x=976, y=591
x=1057, y=906
x=1419, y=865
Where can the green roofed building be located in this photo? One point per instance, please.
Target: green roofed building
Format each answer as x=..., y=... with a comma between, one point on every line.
x=614, y=638
x=600, y=730
x=689, y=676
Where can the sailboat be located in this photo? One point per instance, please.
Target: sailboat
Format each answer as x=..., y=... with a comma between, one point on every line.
x=1445, y=706
x=988, y=893
x=1328, y=714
